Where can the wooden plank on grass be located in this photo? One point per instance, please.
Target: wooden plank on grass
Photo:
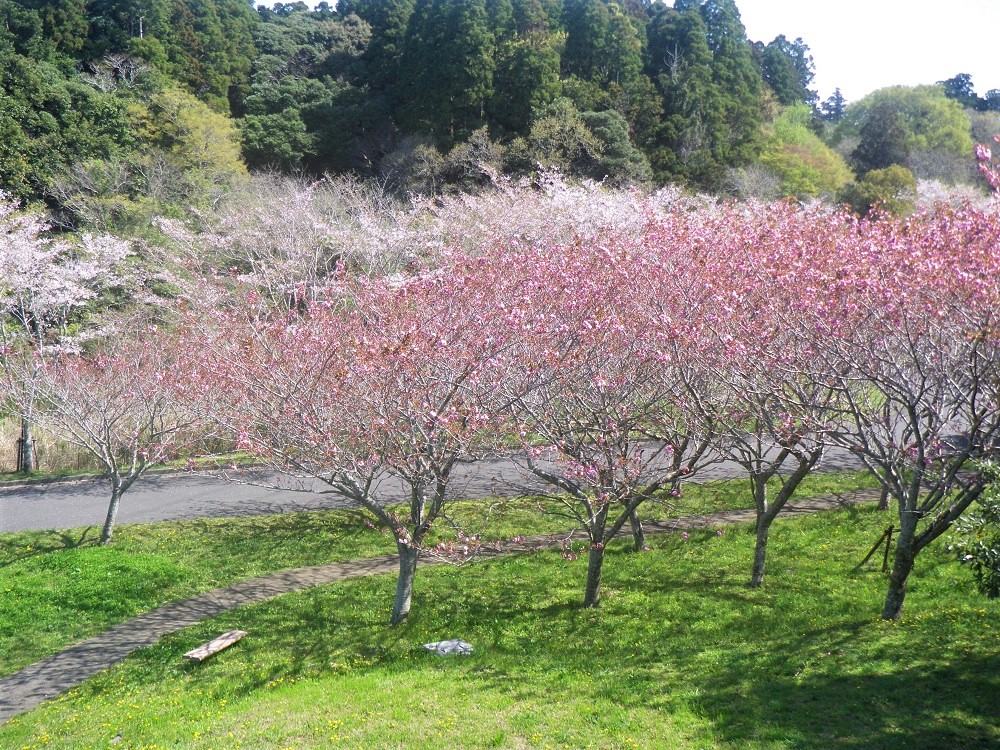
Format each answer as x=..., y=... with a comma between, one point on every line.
x=215, y=645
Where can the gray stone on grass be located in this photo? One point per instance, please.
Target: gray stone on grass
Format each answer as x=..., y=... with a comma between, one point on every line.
x=447, y=648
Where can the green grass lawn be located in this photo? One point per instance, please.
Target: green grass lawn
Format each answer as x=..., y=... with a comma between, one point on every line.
x=57, y=588
x=681, y=654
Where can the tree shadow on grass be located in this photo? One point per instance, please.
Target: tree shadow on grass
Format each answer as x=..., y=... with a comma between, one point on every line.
x=929, y=706
x=24, y=545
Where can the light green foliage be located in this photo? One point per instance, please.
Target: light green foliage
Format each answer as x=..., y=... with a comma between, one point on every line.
x=806, y=166
x=893, y=189
x=195, y=136
x=561, y=139
x=930, y=119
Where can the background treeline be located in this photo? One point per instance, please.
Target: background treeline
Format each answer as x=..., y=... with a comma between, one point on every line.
x=114, y=110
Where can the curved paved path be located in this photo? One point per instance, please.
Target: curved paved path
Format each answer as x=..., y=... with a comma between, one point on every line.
x=55, y=674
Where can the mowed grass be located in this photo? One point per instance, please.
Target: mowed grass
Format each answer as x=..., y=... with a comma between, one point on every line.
x=681, y=654
x=57, y=588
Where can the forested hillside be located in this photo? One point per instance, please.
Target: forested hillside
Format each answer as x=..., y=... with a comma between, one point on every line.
x=112, y=109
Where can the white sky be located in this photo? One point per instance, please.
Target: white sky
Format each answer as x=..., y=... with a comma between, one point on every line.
x=863, y=45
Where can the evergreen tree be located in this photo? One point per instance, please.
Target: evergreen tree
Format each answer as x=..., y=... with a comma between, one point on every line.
x=527, y=69
x=389, y=20
x=448, y=69
x=738, y=80
x=883, y=140
x=787, y=67
x=960, y=89
x=64, y=22
x=834, y=108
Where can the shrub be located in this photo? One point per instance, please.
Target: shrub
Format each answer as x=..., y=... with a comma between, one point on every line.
x=977, y=540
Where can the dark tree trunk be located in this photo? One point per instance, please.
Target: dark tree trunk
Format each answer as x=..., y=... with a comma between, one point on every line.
x=27, y=448
x=901, y=567
x=883, y=499
x=109, y=522
x=404, y=584
x=595, y=564
x=638, y=533
x=760, y=552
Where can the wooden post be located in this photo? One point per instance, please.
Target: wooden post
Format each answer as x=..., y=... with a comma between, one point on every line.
x=871, y=553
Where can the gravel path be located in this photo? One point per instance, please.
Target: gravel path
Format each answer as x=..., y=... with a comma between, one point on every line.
x=55, y=674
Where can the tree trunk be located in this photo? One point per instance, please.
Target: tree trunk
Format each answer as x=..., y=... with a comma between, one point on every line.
x=27, y=448
x=760, y=552
x=595, y=564
x=404, y=584
x=638, y=533
x=759, y=485
x=883, y=499
x=109, y=521
x=901, y=567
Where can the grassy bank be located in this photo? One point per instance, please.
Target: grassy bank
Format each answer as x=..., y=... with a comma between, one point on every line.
x=680, y=655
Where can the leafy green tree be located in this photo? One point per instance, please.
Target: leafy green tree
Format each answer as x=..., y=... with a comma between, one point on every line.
x=196, y=137
x=21, y=32
x=991, y=101
x=736, y=76
x=604, y=44
x=48, y=121
x=64, y=22
x=893, y=189
x=388, y=20
x=976, y=541
x=276, y=140
x=620, y=162
x=931, y=120
x=207, y=45
x=560, y=138
x=527, y=78
x=805, y=165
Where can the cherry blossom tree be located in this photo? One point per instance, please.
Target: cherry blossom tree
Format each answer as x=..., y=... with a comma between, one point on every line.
x=377, y=383
x=113, y=402
x=764, y=403
x=989, y=170
x=593, y=383
x=44, y=283
x=909, y=336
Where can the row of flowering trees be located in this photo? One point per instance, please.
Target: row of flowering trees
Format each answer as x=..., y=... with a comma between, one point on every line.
x=617, y=366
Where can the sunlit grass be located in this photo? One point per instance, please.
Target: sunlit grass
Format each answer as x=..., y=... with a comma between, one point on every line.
x=58, y=587
x=681, y=654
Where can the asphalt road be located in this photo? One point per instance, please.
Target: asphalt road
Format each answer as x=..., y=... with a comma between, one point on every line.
x=161, y=497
